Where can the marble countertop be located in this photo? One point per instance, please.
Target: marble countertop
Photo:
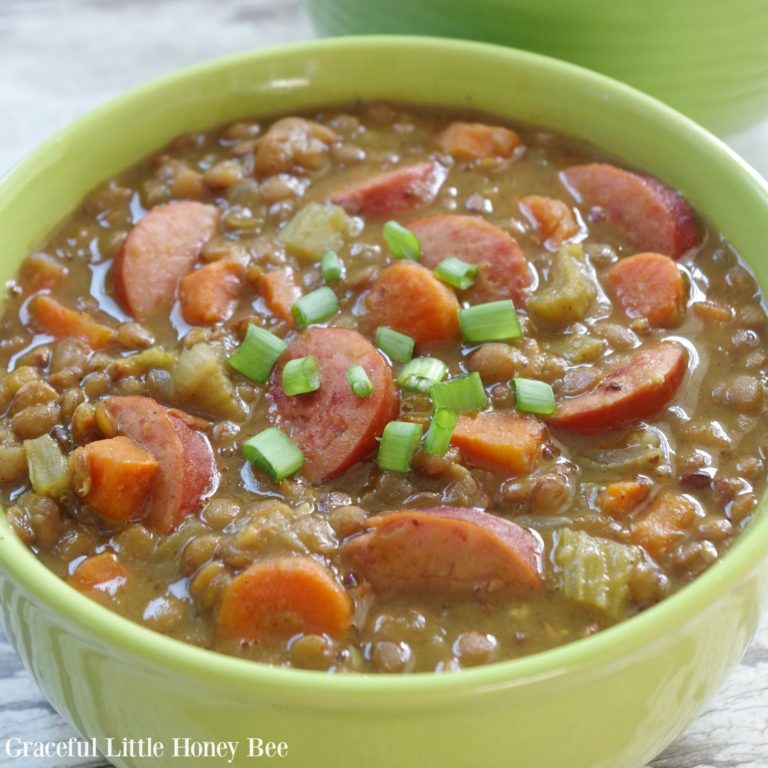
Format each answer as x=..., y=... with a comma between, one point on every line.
x=59, y=58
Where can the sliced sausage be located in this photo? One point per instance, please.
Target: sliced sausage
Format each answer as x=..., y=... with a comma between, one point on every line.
x=504, y=271
x=654, y=216
x=446, y=551
x=629, y=392
x=200, y=470
x=409, y=298
x=186, y=464
x=332, y=426
x=158, y=252
x=392, y=192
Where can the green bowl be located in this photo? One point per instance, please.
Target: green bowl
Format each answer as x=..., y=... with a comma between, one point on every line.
x=707, y=58
x=609, y=701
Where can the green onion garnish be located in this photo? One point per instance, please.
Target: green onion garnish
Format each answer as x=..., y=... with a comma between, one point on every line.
x=258, y=353
x=421, y=373
x=395, y=345
x=332, y=267
x=398, y=444
x=463, y=395
x=402, y=243
x=359, y=381
x=301, y=375
x=494, y=321
x=275, y=453
x=438, y=436
x=315, y=307
x=456, y=272
x=532, y=396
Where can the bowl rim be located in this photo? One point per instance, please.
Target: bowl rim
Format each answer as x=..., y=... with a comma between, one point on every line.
x=621, y=641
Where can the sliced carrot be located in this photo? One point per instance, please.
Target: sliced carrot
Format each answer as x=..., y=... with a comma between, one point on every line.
x=280, y=292
x=62, y=322
x=100, y=576
x=500, y=440
x=649, y=285
x=40, y=271
x=552, y=219
x=620, y=498
x=664, y=523
x=472, y=141
x=715, y=313
x=114, y=476
x=281, y=597
x=209, y=295
x=410, y=299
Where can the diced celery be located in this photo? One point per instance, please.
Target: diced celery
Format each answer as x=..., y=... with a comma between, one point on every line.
x=141, y=362
x=596, y=572
x=315, y=229
x=578, y=349
x=200, y=377
x=569, y=292
x=47, y=466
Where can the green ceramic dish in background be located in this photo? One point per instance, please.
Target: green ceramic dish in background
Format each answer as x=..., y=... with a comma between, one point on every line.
x=609, y=701
x=707, y=58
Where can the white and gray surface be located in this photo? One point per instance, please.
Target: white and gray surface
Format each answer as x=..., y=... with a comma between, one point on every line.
x=58, y=58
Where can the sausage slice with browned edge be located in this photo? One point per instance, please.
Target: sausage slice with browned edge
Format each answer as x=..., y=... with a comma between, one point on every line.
x=393, y=191
x=158, y=252
x=446, y=550
x=332, y=426
x=186, y=465
x=654, y=216
x=629, y=392
x=504, y=271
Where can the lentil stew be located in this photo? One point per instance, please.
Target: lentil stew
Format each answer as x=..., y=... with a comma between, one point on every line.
x=381, y=390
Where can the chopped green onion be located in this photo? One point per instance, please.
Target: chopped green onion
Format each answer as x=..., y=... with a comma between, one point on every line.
x=456, y=272
x=47, y=467
x=463, y=395
x=438, y=436
x=301, y=375
x=402, y=243
x=315, y=307
x=258, y=353
x=398, y=444
x=332, y=267
x=494, y=321
x=533, y=396
x=275, y=453
x=421, y=373
x=359, y=381
x=395, y=345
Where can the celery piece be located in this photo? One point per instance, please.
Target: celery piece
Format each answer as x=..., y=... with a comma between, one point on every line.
x=315, y=229
x=596, y=572
x=569, y=292
x=578, y=349
x=47, y=466
x=200, y=378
